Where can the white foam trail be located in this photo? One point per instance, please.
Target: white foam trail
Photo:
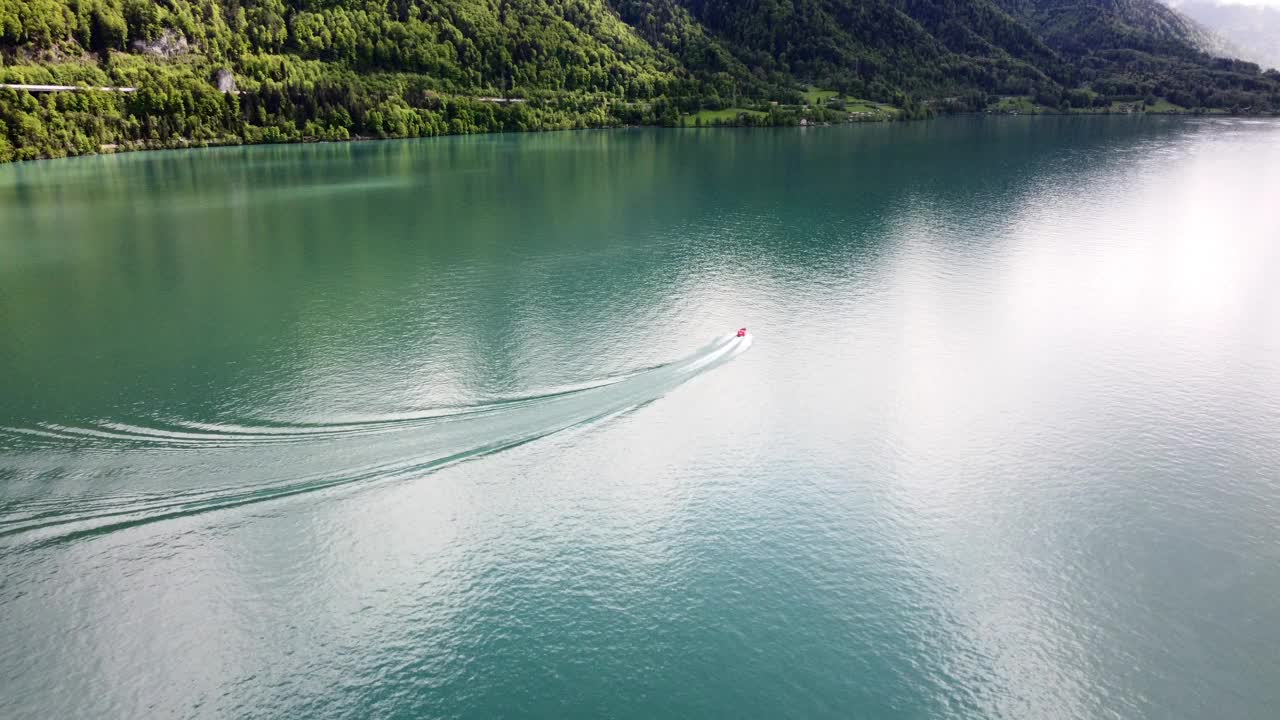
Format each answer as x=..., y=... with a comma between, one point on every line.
x=170, y=473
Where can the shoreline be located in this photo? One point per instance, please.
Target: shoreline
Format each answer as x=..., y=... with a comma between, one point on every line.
x=132, y=148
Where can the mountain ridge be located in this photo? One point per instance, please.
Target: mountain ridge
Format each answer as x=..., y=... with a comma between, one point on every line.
x=337, y=69
x=1252, y=32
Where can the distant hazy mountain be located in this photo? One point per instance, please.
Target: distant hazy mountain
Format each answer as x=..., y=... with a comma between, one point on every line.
x=1082, y=26
x=1254, y=31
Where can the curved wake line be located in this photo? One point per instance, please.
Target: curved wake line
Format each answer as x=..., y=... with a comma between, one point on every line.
x=411, y=444
x=107, y=520
x=189, y=433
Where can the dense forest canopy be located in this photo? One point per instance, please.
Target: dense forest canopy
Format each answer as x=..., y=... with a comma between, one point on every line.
x=232, y=71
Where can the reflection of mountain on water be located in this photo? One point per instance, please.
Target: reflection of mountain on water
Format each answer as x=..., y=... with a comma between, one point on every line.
x=330, y=278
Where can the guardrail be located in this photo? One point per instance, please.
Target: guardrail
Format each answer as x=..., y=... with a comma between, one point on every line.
x=64, y=88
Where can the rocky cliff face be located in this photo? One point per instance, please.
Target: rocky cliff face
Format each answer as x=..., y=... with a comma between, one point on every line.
x=169, y=44
x=225, y=81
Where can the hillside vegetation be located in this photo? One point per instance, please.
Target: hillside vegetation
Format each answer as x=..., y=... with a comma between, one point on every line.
x=244, y=71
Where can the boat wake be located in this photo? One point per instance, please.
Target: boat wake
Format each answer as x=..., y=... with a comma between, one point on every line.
x=92, y=479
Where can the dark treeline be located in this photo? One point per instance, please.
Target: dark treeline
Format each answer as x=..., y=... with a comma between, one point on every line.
x=236, y=71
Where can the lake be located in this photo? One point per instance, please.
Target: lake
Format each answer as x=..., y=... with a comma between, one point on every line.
x=460, y=428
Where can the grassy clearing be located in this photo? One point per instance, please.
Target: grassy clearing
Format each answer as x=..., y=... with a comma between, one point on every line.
x=1127, y=107
x=726, y=115
x=1164, y=106
x=1160, y=107
x=817, y=96
x=1024, y=105
x=858, y=110
x=856, y=105
x=1020, y=104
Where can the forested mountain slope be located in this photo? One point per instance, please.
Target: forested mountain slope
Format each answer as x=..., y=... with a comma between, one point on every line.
x=1083, y=25
x=1142, y=47
x=230, y=71
x=925, y=47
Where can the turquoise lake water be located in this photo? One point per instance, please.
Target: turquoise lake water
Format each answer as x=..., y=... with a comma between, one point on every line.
x=458, y=428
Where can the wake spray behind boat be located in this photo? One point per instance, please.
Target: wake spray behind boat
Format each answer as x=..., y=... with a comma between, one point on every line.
x=302, y=455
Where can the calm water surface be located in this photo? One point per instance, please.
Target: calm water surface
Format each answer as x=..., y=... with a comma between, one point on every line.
x=453, y=428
